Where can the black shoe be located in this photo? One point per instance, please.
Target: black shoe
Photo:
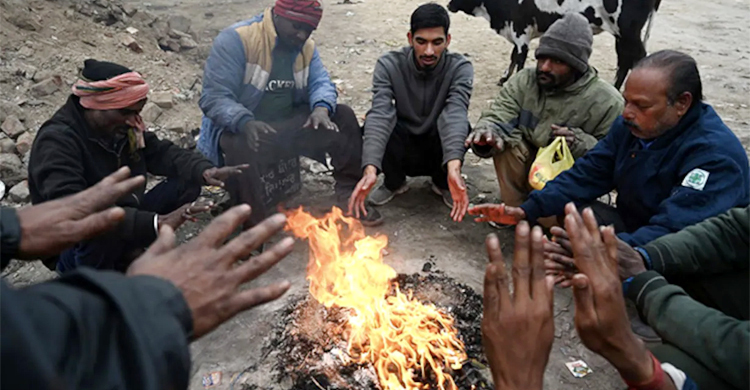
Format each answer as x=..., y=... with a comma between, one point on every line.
x=373, y=217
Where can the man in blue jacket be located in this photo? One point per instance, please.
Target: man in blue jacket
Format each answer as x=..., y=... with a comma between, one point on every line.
x=266, y=95
x=671, y=159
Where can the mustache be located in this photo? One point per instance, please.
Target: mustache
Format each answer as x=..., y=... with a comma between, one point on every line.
x=428, y=57
x=632, y=125
x=549, y=75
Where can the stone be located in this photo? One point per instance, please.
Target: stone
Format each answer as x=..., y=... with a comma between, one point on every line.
x=7, y=109
x=12, y=170
x=24, y=22
x=162, y=99
x=144, y=17
x=24, y=142
x=150, y=112
x=176, y=34
x=12, y=126
x=176, y=127
x=7, y=145
x=187, y=43
x=129, y=9
x=179, y=23
x=42, y=75
x=25, y=51
x=160, y=28
x=130, y=42
x=46, y=87
x=20, y=192
x=168, y=44
x=132, y=30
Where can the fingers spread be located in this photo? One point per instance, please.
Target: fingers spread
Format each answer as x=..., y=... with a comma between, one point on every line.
x=221, y=227
x=257, y=266
x=240, y=247
x=95, y=224
x=249, y=299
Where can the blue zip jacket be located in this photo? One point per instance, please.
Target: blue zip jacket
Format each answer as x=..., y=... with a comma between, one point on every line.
x=236, y=74
x=695, y=171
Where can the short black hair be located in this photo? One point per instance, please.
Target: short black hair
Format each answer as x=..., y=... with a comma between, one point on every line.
x=94, y=70
x=682, y=71
x=428, y=16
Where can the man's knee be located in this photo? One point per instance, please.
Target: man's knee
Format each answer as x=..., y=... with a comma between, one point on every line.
x=346, y=120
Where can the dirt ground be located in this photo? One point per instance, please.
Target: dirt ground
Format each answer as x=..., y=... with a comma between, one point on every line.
x=350, y=39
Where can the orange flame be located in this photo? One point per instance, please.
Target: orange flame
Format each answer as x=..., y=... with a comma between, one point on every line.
x=397, y=334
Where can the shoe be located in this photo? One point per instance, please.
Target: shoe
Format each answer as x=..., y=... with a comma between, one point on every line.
x=383, y=195
x=373, y=217
x=445, y=194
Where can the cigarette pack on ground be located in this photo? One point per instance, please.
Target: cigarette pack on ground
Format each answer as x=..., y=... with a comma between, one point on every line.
x=579, y=368
x=212, y=379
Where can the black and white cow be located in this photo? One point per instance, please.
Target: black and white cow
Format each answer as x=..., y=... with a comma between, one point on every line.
x=520, y=21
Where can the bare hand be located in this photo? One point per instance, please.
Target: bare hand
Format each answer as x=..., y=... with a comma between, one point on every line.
x=499, y=213
x=359, y=195
x=207, y=271
x=629, y=261
x=560, y=131
x=601, y=320
x=217, y=176
x=257, y=131
x=50, y=227
x=457, y=187
x=319, y=117
x=186, y=212
x=518, y=329
x=484, y=137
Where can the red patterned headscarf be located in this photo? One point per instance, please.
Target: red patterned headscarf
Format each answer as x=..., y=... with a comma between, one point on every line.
x=304, y=11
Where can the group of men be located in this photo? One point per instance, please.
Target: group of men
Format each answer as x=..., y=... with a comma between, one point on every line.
x=267, y=95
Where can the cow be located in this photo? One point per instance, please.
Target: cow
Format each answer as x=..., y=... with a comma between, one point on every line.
x=520, y=21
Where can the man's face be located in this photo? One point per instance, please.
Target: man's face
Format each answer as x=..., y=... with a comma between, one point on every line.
x=552, y=73
x=429, y=44
x=113, y=122
x=648, y=112
x=292, y=33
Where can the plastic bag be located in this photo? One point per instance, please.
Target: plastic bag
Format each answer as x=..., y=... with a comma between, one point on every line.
x=549, y=162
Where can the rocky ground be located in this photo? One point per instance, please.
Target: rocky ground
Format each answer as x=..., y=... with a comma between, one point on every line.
x=44, y=44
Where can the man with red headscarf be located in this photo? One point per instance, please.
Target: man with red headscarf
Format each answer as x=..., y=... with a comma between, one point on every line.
x=96, y=132
x=267, y=96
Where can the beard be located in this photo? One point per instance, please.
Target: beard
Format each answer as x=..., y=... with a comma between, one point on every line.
x=547, y=80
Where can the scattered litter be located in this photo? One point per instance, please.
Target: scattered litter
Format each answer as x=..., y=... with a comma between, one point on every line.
x=212, y=379
x=579, y=368
x=132, y=30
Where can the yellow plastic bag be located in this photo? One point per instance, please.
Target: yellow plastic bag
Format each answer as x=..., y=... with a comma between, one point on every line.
x=549, y=162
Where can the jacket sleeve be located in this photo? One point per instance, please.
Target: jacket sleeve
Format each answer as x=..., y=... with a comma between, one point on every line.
x=716, y=245
x=381, y=119
x=57, y=171
x=723, y=190
x=590, y=177
x=164, y=158
x=501, y=114
x=587, y=141
x=96, y=329
x=453, y=122
x=223, y=80
x=714, y=339
x=321, y=89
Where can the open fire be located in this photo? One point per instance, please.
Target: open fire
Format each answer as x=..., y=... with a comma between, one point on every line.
x=404, y=339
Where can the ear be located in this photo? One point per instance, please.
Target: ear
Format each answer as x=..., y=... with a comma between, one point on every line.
x=683, y=103
x=447, y=40
x=409, y=38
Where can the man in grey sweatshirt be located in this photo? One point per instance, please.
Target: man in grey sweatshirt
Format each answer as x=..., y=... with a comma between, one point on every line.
x=419, y=117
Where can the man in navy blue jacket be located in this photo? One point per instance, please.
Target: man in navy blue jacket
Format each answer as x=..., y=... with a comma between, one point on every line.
x=671, y=159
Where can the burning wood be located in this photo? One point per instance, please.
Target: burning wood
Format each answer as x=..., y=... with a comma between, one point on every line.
x=405, y=340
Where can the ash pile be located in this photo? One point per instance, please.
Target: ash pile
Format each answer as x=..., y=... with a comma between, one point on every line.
x=307, y=350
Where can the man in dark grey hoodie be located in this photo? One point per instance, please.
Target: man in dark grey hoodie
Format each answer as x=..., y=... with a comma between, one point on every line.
x=419, y=117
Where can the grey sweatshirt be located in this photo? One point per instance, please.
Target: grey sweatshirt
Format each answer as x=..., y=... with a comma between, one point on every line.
x=419, y=101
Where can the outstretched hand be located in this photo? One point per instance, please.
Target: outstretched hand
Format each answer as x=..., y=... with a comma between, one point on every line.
x=518, y=328
x=217, y=176
x=499, y=213
x=50, y=227
x=319, y=118
x=358, y=198
x=208, y=272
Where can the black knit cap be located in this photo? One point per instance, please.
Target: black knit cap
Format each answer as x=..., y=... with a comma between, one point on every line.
x=94, y=70
x=568, y=39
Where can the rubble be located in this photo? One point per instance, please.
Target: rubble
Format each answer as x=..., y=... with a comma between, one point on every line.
x=12, y=170
x=12, y=126
x=162, y=99
x=130, y=42
x=46, y=87
x=23, y=21
x=187, y=43
x=179, y=23
x=24, y=142
x=150, y=112
x=7, y=145
x=20, y=192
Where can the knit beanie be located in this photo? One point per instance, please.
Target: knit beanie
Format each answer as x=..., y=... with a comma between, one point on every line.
x=568, y=39
x=304, y=11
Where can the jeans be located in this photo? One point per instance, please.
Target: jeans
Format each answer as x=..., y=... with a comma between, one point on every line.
x=109, y=251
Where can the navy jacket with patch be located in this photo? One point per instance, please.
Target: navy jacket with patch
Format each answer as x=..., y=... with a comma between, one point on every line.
x=695, y=171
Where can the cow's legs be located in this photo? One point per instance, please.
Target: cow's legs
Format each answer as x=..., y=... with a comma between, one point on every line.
x=630, y=50
x=517, y=62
